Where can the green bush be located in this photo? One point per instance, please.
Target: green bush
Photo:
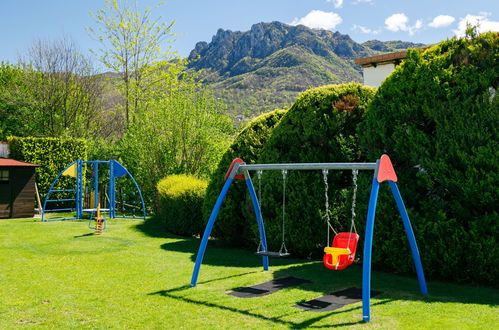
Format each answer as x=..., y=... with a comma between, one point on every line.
x=232, y=226
x=180, y=203
x=320, y=127
x=53, y=154
x=437, y=117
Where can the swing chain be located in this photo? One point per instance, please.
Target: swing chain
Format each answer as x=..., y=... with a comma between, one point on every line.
x=325, y=173
x=355, y=172
x=283, y=249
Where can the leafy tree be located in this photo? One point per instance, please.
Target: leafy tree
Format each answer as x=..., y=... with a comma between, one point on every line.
x=52, y=92
x=132, y=44
x=15, y=117
x=181, y=130
x=61, y=88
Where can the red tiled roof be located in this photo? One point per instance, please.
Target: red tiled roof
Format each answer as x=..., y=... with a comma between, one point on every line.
x=12, y=162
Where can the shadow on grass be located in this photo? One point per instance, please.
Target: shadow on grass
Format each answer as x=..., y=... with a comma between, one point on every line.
x=278, y=320
x=395, y=289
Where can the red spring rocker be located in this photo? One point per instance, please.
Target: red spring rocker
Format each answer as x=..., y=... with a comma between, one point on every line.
x=341, y=254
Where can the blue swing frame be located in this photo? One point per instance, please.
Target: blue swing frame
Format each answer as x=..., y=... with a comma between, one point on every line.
x=115, y=170
x=238, y=166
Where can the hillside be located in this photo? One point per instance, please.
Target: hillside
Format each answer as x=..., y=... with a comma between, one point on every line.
x=266, y=67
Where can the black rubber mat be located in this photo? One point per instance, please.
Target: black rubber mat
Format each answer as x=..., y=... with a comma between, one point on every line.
x=267, y=288
x=334, y=300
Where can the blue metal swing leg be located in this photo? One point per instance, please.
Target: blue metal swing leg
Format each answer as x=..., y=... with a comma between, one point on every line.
x=259, y=220
x=368, y=243
x=207, y=231
x=410, y=236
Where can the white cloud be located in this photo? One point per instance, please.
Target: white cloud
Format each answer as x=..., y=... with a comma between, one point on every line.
x=364, y=29
x=485, y=24
x=441, y=21
x=400, y=22
x=336, y=3
x=318, y=19
x=356, y=2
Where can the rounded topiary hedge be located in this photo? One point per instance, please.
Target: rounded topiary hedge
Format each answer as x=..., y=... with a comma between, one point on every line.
x=231, y=226
x=180, y=199
x=437, y=116
x=321, y=126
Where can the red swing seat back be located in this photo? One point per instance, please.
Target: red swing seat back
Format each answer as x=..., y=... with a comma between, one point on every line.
x=343, y=241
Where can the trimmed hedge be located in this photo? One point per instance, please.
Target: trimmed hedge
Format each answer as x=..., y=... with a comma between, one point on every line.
x=180, y=203
x=321, y=126
x=437, y=116
x=232, y=226
x=53, y=154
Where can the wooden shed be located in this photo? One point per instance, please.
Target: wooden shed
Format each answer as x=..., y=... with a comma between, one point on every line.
x=17, y=189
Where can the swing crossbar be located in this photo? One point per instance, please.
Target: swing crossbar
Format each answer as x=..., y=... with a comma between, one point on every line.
x=308, y=166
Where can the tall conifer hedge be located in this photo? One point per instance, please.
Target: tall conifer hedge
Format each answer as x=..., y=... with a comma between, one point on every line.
x=437, y=116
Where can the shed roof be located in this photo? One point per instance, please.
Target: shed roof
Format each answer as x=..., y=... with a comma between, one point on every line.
x=390, y=57
x=11, y=162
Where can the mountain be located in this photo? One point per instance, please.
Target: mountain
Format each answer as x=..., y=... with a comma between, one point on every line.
x=266, y=67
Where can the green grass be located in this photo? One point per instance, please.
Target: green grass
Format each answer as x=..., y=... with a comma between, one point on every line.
x=59, y=275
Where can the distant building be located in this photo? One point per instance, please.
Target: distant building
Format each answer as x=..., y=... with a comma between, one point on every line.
x=377, y=68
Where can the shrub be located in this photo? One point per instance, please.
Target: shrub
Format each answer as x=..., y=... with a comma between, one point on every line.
x=54, y=154
x=437, y=117
x=319, y=127
x=180, y=203
x=232, y=226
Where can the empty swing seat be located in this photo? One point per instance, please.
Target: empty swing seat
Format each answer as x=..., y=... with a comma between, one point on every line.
x=272, y=254
x=342, y=252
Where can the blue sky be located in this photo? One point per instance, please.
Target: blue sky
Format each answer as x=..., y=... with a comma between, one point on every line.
x=22, y=21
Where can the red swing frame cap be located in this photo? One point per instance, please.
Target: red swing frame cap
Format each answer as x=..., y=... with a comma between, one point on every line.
x=386, y=170
x=237, y=176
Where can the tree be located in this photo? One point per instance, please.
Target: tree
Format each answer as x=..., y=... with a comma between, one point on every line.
x=13, y=114
x=182, y=130
x=64, y=89
x=132, y=41
x=52, y=92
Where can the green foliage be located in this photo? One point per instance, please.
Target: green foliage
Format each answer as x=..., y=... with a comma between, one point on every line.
x=180, y=130
x=13, y=112
x=54, y=92
x=180, y=199
x=132, y=43
x=232, y=227
x=437, y=117
x=321, y=126
x=53, y=154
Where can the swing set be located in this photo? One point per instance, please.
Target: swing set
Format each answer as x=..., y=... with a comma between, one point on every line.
x=341, y=253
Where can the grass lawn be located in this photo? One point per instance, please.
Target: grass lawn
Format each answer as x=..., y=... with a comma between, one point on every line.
x=59, y=275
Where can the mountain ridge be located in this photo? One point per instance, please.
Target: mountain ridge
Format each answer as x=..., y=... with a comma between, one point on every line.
x=265, y=67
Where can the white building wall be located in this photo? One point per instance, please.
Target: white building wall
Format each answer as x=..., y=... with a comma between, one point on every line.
x=4, y=150
x=374, y=76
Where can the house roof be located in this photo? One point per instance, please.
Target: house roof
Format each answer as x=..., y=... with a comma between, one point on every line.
x=11, y=162
x=390, y=57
